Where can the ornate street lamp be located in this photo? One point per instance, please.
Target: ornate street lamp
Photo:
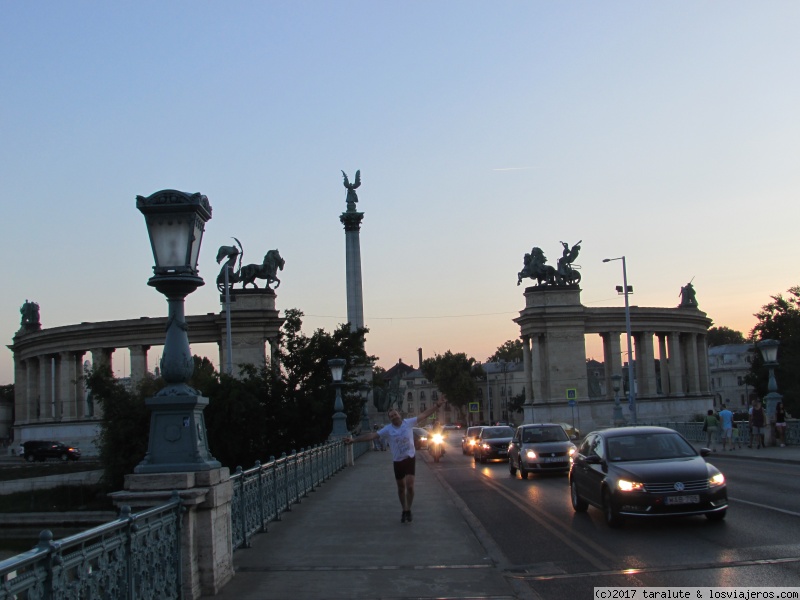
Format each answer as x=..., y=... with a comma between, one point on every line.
x=175, y=223
x=769, y=352
x=615, y=382
x=339, y=418
x=631, y=376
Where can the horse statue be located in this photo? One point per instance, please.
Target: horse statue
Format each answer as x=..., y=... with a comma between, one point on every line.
x=232, y=253
x=266, y=270
x=535, y=268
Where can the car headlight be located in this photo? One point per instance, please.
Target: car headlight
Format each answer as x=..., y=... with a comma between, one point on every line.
x=716, y=480
x=485, y=446
x=572, y=451
x=530, y=454
x=629, y=486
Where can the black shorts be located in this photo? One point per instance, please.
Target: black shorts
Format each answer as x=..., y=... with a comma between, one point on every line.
x=405, y=467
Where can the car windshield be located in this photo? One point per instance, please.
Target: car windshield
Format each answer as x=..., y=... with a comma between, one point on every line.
x=546, y=433
x=648, y=446
x=497, y=432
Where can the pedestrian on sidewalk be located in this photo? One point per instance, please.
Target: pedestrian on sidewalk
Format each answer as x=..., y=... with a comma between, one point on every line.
x=757, y=423
x=711, y=427
x=726, y=420
x=399, y=434
x=780, y=424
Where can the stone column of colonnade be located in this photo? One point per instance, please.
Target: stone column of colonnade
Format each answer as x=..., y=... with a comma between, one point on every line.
x=663, y=364
x=612, y=359
x=675, y=364
x=526, y=365
x=646, y=382
x=702, y=354
x=70, y=386
x=693, y=370
x=138, y=363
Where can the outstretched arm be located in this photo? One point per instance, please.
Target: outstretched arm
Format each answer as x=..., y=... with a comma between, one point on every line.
x=364, y=437
x=427, y=413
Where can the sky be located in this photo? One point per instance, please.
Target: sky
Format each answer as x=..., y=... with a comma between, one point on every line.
x=666, y=132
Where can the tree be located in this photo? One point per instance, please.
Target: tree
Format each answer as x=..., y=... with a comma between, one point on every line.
x=268, y=410
x=719, y=336
x=454, y=375
x=780, y=320
x=511, y=351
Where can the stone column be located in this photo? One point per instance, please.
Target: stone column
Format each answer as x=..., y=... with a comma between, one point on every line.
x=526, y=363
x=138, y=363
x=644, y=342
x=693, y=369
x=612, y=358
x=355, y=300
x=45, y=391
x=663, y=364
x=538, y=369
x=22, y=390
x=702, y=359
x=80, y=385
x=675, y=364
x=66, y=385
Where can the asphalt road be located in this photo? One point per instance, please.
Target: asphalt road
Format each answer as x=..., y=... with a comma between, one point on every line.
x=560, y=553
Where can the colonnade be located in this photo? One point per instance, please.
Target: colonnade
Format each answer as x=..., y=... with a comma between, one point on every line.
x=669, y=346
x=49, y=389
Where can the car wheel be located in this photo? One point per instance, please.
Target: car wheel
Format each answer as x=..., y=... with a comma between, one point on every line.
x=511, y=468
x=482, y=459
x=613, y=519
x=30, y=458
x=716, y=516
x=64, y=457
x=578, y=503
x=523, y=472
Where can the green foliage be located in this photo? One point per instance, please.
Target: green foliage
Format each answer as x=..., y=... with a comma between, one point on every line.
x=780, y=320
x=510, y=351
x=454, y=376
x=124, y=427
x=266, y=411
x=719, y=336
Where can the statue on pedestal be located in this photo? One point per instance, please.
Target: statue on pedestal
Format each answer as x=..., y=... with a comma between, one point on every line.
x=352, y=198
x=688, y=296
x=247, y=274
x=565, y=273
x=30, y=316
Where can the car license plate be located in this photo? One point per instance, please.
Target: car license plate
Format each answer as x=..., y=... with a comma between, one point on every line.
x=694, y=499
x=552, y=459
x=502, y=452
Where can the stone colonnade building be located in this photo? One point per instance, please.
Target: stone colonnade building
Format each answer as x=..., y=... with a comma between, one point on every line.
x=553, y=326
x=50, y=397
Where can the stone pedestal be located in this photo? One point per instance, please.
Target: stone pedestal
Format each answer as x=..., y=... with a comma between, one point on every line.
x=206, y=548
x=254, y=322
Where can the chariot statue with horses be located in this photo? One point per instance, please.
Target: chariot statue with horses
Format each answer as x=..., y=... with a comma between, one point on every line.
x=535, y=267
x=247, y=274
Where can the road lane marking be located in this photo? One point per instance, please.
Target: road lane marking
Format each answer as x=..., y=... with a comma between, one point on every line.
x=775, y=508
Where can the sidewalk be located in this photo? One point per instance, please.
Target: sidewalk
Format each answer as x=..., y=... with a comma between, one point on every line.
x=346, y=541
x=789, y=454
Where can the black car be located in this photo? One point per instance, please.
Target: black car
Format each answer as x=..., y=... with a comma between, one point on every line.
x=492, y=443
x=42, y=450
x=645, y=472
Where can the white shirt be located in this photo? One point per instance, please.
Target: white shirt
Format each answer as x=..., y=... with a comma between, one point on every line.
x=400, y=439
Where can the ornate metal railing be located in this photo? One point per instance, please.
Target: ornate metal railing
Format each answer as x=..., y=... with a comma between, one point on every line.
x=261, y=494
x=135, y=557
x=138, y=556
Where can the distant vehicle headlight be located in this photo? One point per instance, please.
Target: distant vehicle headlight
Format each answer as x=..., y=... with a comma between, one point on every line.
x=572, y=451
x=716, y=480
x=629, y=486
x=530, y=454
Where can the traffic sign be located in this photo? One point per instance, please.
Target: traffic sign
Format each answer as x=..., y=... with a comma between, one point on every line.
x=474, y=407
x=572, y=394
x=572, y=402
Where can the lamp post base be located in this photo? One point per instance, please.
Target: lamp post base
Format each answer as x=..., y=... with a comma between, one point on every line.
x=177, y=436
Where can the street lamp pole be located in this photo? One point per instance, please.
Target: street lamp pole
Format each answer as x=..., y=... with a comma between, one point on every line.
x=615, y=382
x=336, y=366
x=769, y=352
x=631, y=375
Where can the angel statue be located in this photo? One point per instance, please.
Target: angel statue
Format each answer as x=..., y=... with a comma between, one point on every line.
x=352, y=198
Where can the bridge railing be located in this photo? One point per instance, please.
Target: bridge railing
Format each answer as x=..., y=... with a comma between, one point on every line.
x=261, y=494
x=693, y=431
x=137, y=556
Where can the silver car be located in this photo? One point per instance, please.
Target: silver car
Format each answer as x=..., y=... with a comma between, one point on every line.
x=540, y=448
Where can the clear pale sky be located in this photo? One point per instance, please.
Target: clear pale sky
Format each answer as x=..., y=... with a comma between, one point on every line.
x=663, y=131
